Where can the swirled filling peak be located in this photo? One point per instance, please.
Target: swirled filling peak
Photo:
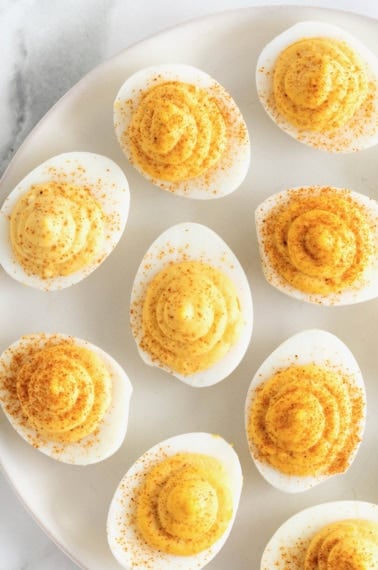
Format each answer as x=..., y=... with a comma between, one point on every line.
x=64, y=391
x=56, y=229
x=191, y=317
x=177, y=132
x=305, y=420
x=350, y=544
x=319, y=84
x=184, y=504
x=319, y=240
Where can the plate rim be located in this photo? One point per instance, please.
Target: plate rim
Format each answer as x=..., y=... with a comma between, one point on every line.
x=180, y=25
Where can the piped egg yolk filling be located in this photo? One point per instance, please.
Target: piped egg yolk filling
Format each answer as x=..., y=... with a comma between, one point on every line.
x=184, y=504
x=319, y=84
x=56, y=229
x=64, y=391
x=305, y=420
x=344, y=545
x=191, y=317
x=320, y=242
x=177, y=132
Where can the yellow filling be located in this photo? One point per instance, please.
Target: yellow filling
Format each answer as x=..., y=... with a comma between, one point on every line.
x=185, y=504
x=191, y=317
x=344, y=545
x=56, y=229
x=319, y=84
x=64, y=391
x=177, y=132
x=305, y=420
x=320, y=242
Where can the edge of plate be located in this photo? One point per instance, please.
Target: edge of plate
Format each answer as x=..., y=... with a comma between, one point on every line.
x=36, y=519
x=181, y=25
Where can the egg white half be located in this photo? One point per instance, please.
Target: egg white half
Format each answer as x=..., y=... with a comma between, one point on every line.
x=345, y=139
x=281, y=552
x=223, y=178
x=310, y=346
x=365, y=289
x=111, y=431
x=129, y=549
x=192, y=241
x=109, y=187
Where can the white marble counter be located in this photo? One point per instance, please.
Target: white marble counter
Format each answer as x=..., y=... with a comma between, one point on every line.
x=46, y=47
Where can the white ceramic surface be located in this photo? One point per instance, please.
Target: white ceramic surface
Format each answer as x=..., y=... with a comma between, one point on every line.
x=71, y=502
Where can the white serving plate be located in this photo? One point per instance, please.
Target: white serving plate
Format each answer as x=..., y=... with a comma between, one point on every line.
x=71, y=503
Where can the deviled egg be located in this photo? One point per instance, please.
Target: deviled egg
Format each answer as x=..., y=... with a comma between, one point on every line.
x=305, y=411
x=320, y=244
x=63, y=219
x=175, y=507
x=320, y=85
x=182, y=131
x=338, y=535
x=65, y=396
x=191, y=308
